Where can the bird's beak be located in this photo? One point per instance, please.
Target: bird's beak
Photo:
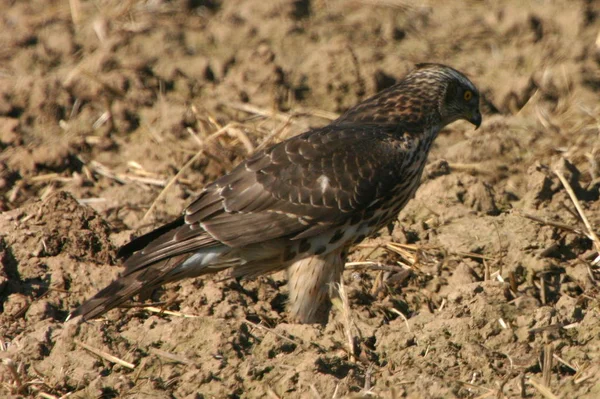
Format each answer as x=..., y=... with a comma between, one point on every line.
x=475, y=118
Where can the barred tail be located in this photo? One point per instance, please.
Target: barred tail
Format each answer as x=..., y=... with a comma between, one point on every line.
x=150, y=277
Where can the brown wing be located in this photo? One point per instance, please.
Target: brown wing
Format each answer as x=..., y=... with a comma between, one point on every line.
x=295, y=189
x=301, y=186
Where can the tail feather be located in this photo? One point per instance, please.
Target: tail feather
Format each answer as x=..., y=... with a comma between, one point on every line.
x=140, y=275
x=127, y=286
x=141, y=242
x=150, y=277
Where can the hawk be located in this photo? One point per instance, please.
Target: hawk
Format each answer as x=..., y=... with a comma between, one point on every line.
x=302, y=203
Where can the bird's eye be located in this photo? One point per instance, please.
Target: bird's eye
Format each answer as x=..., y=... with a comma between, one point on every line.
x=468, y=95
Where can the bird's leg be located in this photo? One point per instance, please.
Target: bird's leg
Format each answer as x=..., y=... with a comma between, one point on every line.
x=309, y=282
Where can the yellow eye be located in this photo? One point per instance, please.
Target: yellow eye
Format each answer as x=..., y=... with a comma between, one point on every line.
x=468, y=95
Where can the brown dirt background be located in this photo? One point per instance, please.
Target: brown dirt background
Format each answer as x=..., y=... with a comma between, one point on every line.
x=103, y=102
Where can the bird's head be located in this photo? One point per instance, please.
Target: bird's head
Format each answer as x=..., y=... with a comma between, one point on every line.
x=459, y=97
x=430, y=94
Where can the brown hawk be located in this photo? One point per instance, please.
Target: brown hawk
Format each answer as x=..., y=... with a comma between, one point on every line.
x=302, y=203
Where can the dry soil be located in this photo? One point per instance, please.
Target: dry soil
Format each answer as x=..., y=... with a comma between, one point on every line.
x=484, y=288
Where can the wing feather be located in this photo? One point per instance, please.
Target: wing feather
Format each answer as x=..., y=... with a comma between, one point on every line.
x=297, y=189
x=324, y=175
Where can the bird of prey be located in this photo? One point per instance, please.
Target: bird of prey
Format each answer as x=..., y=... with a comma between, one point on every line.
x=301, y=204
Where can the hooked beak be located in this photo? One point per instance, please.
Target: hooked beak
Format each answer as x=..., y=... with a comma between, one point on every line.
x=475, y=118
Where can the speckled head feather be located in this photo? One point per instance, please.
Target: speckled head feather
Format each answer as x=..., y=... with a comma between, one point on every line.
x=302, y=203
x=426, y=95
